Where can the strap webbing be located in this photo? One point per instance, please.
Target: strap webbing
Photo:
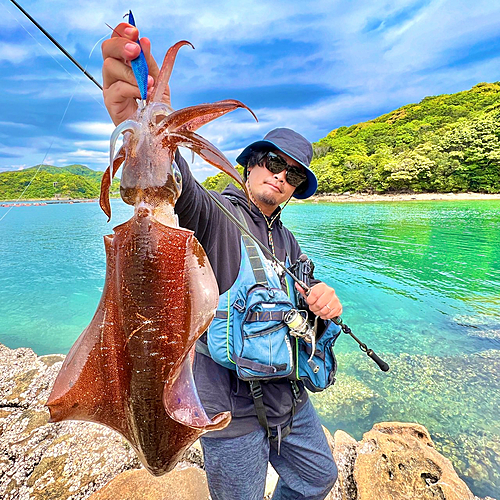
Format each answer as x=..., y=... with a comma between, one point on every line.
x=258, y=401
x=253, y=254
x=258, y=367
x=266, y=316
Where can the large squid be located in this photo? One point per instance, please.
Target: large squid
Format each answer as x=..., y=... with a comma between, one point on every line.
x=131, y=368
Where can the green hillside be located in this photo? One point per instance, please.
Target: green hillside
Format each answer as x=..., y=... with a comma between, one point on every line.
x=444, y=143
x=73, y=181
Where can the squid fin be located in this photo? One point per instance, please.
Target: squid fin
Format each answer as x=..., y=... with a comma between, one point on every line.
x=182, y=402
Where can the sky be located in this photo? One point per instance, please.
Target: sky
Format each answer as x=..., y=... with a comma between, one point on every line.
x=311, y=66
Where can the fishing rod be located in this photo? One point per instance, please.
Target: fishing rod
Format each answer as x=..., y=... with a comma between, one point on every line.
x=338, y=320
x=263, y=247
x=57, y=44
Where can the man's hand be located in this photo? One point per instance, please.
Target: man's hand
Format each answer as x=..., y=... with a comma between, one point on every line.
x=119, y=84
x=322, y=301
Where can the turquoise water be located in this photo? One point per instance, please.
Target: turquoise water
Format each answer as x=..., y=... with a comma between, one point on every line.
x=419, y=282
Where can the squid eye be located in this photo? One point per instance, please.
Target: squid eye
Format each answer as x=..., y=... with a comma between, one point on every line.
x=177, y=176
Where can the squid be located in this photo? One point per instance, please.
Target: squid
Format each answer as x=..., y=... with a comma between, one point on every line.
x=131, y=368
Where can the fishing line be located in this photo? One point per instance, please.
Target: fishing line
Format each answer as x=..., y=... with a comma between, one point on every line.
x=56, y=43
x=338, y=320
x=79, y=83
x=43, y=161
x=65, y=52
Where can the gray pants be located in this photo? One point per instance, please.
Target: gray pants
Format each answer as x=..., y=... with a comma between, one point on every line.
x=237, y=467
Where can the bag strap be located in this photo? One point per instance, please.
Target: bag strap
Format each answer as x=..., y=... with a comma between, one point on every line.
x=253, y=254
x=258, y=402
x=260, y=409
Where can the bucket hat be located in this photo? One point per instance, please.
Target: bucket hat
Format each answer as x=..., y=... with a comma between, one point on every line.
x=295, y=146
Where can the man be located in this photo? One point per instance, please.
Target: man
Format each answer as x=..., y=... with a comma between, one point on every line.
x=276, y=169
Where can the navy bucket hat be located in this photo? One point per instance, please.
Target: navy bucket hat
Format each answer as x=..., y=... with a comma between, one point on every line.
x=295, y=146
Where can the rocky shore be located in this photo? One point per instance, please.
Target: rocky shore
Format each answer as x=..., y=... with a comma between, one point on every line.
x=79, y=460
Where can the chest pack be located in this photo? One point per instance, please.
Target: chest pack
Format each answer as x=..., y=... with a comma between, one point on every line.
x=251, y=335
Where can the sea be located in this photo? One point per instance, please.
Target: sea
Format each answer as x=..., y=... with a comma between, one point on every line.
x=419, y=282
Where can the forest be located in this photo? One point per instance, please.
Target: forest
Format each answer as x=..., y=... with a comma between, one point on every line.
x=73, y=181
x=445, y=143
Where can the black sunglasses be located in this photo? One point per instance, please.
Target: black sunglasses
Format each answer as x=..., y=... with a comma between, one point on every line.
x=295, y=176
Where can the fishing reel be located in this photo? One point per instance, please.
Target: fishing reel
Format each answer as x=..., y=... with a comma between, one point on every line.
x=303, y=270
x=300, y=327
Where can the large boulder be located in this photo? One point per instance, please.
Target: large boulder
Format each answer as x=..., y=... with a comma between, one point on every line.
x=188, y=483
x=394, y=460
x=47, y=461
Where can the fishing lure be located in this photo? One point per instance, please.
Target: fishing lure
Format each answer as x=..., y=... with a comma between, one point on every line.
x=139, y=65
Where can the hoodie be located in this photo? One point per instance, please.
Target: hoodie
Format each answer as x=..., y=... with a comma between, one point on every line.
x=218, y=387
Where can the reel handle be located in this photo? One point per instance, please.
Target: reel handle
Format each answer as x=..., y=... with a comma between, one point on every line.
x=380, y=362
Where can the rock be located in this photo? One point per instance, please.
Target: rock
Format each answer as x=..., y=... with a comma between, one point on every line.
x=345, y=450
x=79, y=460
x=399, y=461
x=46, y=461
x=182, y=483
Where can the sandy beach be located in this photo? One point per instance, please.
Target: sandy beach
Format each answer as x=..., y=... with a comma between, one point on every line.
x=364, y=197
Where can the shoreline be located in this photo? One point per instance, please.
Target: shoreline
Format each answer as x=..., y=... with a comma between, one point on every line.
x=318, y=198
x=365, y=197
x=44, y=201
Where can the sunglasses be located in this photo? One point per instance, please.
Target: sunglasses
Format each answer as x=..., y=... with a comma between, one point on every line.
x=276, y=164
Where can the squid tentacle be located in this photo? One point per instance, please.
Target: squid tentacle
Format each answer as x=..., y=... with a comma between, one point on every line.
x=106, y=182
x=207, y=151
x=193, y=117
x=161, y=90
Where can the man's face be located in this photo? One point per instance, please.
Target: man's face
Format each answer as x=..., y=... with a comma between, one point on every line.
x=269, y=189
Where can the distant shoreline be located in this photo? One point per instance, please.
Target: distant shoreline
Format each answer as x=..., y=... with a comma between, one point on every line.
x=364, y=197
x=320, y=198
x=46, y=201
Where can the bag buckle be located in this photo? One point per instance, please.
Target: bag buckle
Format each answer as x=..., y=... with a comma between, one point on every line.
x=255, y=389
x=240, y=305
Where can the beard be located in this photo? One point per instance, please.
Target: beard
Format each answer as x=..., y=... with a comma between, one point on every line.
x=266, y=199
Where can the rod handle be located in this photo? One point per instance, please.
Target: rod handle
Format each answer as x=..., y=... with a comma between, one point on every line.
x=380, y=362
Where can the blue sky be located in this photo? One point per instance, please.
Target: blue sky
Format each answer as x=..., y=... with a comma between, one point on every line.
x=312, y=66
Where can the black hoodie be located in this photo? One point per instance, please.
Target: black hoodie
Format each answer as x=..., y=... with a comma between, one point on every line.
x=219, y=388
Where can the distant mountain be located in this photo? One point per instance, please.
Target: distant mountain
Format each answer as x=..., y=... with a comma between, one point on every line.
x=73, y=181
x=444, y=143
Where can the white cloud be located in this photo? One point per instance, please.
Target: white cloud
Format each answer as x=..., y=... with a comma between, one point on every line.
x=16, y=124
x=14, y=53
x=92, y=144
x=93, y=128
x=89, y=154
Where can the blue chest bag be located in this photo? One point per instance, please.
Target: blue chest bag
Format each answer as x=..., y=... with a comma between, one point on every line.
x=249, y=333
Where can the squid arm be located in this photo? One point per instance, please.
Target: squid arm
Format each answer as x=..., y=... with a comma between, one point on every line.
x=193, y=117
x=161, y=90
x=106, y=183
x=207, y=151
